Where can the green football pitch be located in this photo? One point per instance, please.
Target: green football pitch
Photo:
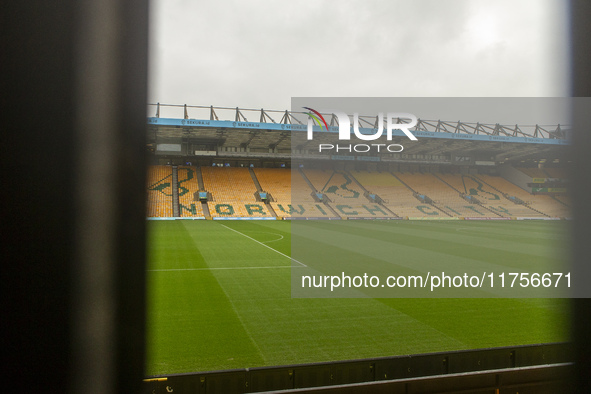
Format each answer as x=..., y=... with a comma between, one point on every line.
x=219, y=297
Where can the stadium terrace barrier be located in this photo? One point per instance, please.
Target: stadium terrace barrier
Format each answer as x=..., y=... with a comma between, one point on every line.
x=177, y=218
x=433, y=218
x=311, y=218
x=479, y=368
x=548, y=379
x=489, y=218
x=537, y=218
x=372, y=218
x=356, y=218
x=241, y=218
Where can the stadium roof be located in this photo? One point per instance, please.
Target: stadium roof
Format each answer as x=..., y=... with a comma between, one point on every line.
x=286, y=130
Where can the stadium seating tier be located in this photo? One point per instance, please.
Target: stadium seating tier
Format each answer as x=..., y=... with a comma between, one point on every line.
x=159, y=191
x=188, y=185
x=234, y=194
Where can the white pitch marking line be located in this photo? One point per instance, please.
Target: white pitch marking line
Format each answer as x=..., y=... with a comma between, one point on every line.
x=266, y=246
x=274, y=240
x=222, y=268
x=267, y=232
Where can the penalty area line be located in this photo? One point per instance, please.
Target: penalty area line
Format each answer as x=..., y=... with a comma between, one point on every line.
x=266, y=246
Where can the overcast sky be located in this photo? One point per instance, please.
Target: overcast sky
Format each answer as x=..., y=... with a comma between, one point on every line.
x=260, y=53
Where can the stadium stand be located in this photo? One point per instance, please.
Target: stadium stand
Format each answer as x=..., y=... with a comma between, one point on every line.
x=563, y=199
x=188, y=185
x=476, y=208
x=159, y=193
x=364, y=210
x=276, y=181
x=300, y=190
x=346, y=196
x=559, y=173
x=318, y=178
x=396, y=196
x=292, y=196
x=444, y=196
x=533, y=172
x=233, y=193
x=542, y=205
x=491, y=201
x=338, y=186
x=305, y=210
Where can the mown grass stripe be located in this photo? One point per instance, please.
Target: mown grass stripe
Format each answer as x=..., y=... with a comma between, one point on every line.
x=237, y=318
x=187, y=312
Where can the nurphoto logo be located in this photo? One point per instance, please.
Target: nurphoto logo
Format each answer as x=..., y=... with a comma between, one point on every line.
x=393, y=120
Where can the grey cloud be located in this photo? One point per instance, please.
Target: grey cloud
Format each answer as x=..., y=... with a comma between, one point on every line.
x=261, y=53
